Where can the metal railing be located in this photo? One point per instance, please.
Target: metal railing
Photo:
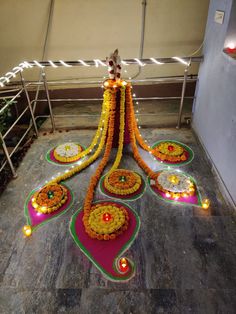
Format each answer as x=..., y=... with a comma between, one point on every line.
x=22, y=86
x=10, y=99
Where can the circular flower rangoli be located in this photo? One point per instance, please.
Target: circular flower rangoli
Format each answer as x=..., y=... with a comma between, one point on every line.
x=50, y=198
x=67, y=152
x=106, y=221
x=122, y=182
x=172, y=152
x=175, y=184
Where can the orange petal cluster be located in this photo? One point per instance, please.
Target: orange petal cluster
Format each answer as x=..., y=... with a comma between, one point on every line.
x=122, y=182
x=43, y=203
x=177, y=154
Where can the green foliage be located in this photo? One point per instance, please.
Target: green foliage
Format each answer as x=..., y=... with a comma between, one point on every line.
x=6, y=115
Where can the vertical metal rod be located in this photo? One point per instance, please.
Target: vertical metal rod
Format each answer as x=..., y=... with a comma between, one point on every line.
x=5, y=150
x=182, y=97
x=29, y=105
x=49, y=102
x=45, y=46
x=37, y=93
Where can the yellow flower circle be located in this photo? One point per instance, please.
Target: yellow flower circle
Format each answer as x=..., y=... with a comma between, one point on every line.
x=100, y=226
x=170, y=151
x=170, y=148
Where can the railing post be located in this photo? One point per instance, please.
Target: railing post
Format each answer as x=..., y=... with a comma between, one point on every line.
x=182, y=95
x=49, y=102
x=4, y=147
x=37, y=94
x=29, y=105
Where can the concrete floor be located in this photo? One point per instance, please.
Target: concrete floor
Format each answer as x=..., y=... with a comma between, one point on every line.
x=153, y=113
x=185, y=256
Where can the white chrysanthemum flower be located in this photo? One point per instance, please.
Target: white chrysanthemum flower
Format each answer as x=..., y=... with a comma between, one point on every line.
x=174, y=181
x=67, y=150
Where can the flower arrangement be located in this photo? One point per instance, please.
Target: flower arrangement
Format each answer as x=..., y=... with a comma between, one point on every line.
x=117, y=181
x=106, y=221
x=49, y=199
x=170, y=151
x=67, y=152
x=122, y=182
x=131, y=181
x=175, y=184
x=95, y=178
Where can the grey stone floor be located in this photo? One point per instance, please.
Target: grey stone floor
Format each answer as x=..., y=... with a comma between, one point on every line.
x=185, y=255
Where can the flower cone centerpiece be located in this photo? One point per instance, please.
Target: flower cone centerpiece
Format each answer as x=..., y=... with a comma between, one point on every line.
x=104, y=229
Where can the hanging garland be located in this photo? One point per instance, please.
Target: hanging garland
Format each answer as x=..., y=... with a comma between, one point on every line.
x=131, y=126
x=108, y=230
x=88, y=162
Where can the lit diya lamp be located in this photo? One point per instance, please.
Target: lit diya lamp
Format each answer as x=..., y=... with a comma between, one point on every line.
x=231, y=48
x=123, y=265
x=122, y=178
x=106, y=217
x=206, y=203
x=170, y=148
x=27, y=230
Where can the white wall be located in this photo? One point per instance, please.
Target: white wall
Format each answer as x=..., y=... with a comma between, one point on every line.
x=214, y=118
x=88, y=29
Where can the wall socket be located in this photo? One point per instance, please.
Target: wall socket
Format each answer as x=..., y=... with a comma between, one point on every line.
x=219, y=16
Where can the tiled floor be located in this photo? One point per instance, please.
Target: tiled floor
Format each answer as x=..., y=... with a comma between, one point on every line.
x=185, y=255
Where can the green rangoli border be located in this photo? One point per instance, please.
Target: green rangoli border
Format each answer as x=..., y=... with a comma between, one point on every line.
x=190, y=151
x=199, y=198
x=122, y=251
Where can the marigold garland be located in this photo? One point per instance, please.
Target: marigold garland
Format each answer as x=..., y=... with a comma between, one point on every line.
x=121, y=131
x=103, y=162
x=178, y=154
x=86, y=163
x=111, y=183
x=103, y=117
x=131, y=125
x=88, y=208
x=93, y=182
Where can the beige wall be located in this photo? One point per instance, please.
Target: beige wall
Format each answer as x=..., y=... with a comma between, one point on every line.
x=88, y=29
